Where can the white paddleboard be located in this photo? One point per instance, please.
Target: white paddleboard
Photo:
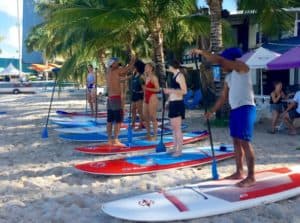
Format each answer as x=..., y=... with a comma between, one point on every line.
x=207, y=198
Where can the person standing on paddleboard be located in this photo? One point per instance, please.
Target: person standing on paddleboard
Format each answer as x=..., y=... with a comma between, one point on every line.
x=137, y=95
x=238, y=90
x=114, y=100
x=151, y=88
x=176, y=91
x=91, y=88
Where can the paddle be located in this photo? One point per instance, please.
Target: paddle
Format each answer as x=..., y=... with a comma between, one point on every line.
x=214, y=163
x=45, y=130
x=129, y=129
x=96, y=102
x=161, y=146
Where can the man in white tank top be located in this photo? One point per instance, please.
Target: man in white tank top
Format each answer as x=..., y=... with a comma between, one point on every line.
x=238, y=90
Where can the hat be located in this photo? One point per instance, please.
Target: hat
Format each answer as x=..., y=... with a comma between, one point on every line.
x=231, y=53
x=111, y=61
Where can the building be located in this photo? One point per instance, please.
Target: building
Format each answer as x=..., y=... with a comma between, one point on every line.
x=30, y=19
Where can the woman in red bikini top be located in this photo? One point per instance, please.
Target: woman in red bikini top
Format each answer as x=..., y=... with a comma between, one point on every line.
x=151, y=88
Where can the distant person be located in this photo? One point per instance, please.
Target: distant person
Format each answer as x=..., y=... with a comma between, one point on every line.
x=7, y=78
x=292, y=112
x=91, y=88
x=137, y=95
x=276, y=105
x=238, y=89
x=114, y=101
x=176, y=90
x=151, y=88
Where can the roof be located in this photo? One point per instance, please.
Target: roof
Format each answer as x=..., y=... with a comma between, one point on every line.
x=283, y=45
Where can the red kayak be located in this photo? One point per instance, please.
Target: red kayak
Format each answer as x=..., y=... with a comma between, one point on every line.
x=141, y=144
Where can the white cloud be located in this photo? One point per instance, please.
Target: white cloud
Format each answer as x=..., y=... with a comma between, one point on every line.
x=9, y=7
x=11, y=38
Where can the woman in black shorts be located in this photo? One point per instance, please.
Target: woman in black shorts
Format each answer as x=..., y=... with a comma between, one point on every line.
x=176, y=90
x=137, y=97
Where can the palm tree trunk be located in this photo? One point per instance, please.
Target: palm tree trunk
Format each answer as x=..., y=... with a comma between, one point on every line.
x=216, y=41
x=158, y=57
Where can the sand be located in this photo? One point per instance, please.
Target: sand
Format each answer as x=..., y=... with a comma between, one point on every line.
x=39, y=184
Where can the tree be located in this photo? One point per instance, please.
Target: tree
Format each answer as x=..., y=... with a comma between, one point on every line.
x=115, y=24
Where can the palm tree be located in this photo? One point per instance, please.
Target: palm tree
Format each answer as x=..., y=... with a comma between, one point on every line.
x=112, y=22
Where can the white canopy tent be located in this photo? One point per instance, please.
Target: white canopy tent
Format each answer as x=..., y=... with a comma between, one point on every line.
x=258, y=59
x=10, y=70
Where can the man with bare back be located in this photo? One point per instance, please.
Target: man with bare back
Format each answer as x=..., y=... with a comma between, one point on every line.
x=114, y=101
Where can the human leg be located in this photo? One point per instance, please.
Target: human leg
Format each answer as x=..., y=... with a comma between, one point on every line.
x=250, y=160
x=275, y=116
x=176, y=125
x=153, y=114
x=140, y=112
x=147, y=121
x=109, y=132
x=239, y=155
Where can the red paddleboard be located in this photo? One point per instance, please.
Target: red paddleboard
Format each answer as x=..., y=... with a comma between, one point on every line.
x=156, y=162
x=140, y=144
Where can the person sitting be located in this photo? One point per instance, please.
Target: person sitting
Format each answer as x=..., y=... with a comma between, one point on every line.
x=292, y=112
x=276, y=104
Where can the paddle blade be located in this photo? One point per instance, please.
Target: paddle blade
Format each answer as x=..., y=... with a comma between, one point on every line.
x=59, y=112
x=129, y=132
x=214, y=170
x=161, y=147
x=45, y=133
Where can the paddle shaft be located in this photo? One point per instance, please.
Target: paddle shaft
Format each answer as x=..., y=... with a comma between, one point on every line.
x=51, y=100
x=205, y=109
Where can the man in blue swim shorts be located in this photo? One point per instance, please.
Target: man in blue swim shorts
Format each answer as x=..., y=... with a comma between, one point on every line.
x=238, y=90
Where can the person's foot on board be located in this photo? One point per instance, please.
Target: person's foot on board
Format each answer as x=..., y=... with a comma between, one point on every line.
x=110, y=142
x=176, y=153
x=117, y=143
x=235, y=176
x=247, y=182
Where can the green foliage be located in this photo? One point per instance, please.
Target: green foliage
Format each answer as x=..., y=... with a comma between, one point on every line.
x=270, y=14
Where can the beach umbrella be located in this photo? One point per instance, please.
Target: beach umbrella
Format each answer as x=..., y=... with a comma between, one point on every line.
x=214, y=162
x=290, y=59
x=258, y=59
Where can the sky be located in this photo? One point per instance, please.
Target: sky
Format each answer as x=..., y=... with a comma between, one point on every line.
x=9, y=28
x=9, y=22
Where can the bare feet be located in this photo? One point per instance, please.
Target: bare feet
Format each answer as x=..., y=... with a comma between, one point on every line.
x=148, y=137
x=235, y=176
x=247, y=182
x=153, y=138
x=110, y=142
x=117, y=143
x=176, y=153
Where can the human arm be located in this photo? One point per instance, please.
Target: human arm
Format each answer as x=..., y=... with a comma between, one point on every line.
x=238, y=66
x=220, y=102
x=129, y=67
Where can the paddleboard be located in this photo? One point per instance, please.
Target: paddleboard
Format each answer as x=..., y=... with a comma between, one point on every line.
x=92, y=129
x=207, y=198
x=156, y=162
x=140, y=144
x=65, y=113
x=99, y=137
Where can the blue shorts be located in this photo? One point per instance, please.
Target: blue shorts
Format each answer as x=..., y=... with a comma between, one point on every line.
x=242, y=122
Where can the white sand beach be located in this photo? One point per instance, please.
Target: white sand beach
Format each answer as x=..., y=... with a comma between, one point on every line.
x=39, y=184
